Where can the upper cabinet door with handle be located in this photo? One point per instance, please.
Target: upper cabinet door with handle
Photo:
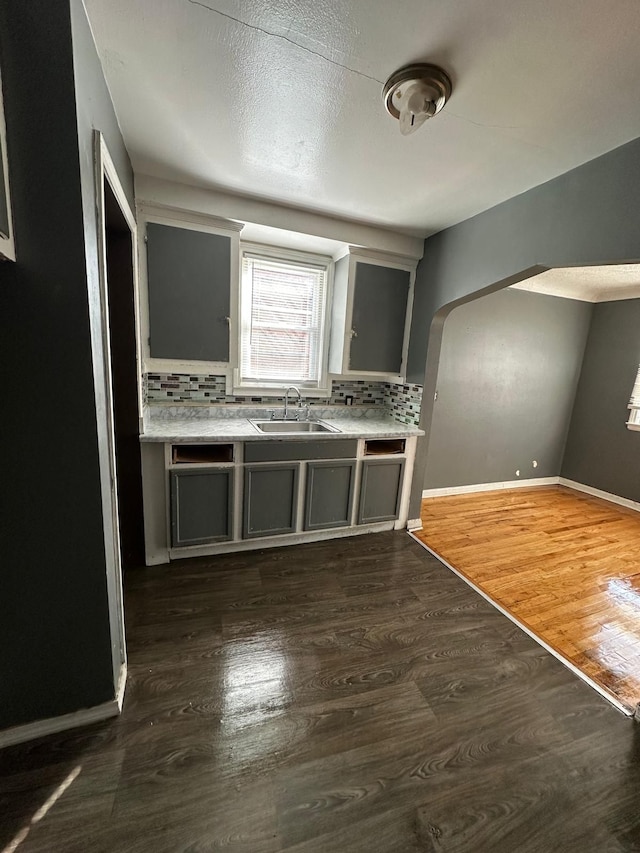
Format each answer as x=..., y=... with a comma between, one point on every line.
x=189, y=286
x=378, y=318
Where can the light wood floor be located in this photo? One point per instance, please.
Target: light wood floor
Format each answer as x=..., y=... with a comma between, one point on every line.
x=564, y=564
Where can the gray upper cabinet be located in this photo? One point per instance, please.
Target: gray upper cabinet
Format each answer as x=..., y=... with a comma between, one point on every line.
x=191, y=273
x=371, y=315
x=380, y=297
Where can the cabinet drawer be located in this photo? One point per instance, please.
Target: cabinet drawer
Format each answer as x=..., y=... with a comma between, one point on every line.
x=285, y=451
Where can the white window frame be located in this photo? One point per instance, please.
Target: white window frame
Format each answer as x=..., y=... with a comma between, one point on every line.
x=270, y=389
x=634, y=405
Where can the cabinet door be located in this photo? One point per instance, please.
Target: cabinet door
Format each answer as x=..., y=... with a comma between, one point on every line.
x=270, y=499
x=189, y=282
x=329, y=498
x=380, y=490
x=201, y=506
x=378, y=318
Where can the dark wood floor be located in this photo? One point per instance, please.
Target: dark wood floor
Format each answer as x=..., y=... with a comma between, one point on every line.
x=330, y=698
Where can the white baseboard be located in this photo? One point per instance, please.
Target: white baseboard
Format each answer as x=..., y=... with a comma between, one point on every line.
x=122, y=683
x=53, y=725
x=414, y=524
x=598, y=493
x=490, y=487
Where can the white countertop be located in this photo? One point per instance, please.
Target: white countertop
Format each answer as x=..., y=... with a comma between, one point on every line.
x=193, y=427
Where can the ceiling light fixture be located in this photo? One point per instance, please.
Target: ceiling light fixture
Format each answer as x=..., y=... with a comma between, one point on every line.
x=415, y=93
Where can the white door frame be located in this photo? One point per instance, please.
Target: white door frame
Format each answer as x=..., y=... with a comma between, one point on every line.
x=105, y=171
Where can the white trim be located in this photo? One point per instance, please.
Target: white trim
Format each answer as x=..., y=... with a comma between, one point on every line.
x=414, y=524
x=540, y=481
x=53, y=725
x=276, y=541
x=258, y=211
x=122, y=684
x=490, y=487
x=7, y=244
x=106, y=171
x=598, y=493
x=407, y=479
x=612, y=699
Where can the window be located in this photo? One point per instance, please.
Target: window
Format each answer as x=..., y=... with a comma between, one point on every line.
x=282, y=321
x=634, y=405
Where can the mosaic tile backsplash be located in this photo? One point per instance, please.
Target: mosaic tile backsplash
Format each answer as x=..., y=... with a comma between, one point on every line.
x=403, y=401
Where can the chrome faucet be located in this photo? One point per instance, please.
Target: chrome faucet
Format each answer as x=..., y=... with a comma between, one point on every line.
x=286, y=401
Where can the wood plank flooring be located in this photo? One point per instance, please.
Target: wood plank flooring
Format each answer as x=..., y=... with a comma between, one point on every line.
x=565, y=564
x=352, y=696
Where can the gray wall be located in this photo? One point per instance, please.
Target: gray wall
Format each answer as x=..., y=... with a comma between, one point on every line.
x=54, y=629
x=586, y=216
x=601, y=451
x=507, y=378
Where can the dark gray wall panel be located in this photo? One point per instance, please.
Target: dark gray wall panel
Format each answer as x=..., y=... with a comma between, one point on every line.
x=509, y=367
x=379, y=311
x=189, y=275
x=380, y=490
x=601, y=451
x=329, y=498
x=54, y=626
x=270, y=499
x=201, y=506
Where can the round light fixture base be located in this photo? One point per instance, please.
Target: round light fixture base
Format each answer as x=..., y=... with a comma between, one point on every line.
x=415, y=93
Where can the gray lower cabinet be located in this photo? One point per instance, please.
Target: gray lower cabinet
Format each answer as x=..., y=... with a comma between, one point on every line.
x=380, y=490
x=201, y=506
x=270, y=499
x=329, y=496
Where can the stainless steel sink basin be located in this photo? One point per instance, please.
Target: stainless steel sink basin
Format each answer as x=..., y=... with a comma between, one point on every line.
x=292, y=426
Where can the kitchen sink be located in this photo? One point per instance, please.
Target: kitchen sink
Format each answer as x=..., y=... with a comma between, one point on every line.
x=292, y=426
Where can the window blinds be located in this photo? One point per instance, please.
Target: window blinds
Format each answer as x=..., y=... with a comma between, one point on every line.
x=282, y=325
x=634, y=404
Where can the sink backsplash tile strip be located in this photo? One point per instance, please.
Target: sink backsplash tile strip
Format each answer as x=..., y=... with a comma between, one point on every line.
x=402, y=401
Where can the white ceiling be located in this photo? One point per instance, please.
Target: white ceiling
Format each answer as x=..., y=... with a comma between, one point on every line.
x=609, y=283
x=282, y=100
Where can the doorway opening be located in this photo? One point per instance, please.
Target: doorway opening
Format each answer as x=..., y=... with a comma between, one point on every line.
x=528, y=454
x=121, y=300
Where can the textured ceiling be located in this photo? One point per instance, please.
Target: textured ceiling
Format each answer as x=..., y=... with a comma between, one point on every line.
x=282, y=100
x=608, y=283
